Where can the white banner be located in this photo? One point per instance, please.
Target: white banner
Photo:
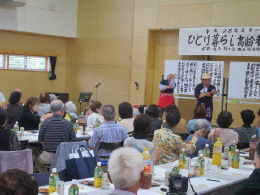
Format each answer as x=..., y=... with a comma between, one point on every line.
x=224, y=41
x=188, y=74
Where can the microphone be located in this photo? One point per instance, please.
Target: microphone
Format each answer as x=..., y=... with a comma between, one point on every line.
x=98, y=84
x=137, y=85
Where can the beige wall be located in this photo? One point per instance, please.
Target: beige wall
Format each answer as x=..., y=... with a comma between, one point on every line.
x=32, y=82
x=163, y=44
x=102, y=51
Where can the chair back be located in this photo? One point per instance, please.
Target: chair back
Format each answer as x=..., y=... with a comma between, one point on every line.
x=23, y=144
x=183, y=136
x=109, y=146
x=62, y=154
x=41, y=178
x=20, y=159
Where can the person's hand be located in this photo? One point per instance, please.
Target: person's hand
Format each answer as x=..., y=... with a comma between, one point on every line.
x=199, y=133
x=213, y=91
x=89, y=112
x=46, y=116
x=208, y=94
x=169, y=87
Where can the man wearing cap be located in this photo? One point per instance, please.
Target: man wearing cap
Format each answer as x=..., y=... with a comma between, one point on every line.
x=166, y=97
x=204, y=92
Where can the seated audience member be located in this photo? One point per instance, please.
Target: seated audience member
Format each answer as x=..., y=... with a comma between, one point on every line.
x=199, y=113
x=17, y=182
x=142, y=127
x=125, y=171
x=126, y=114
x=44, y=106
x=226, y=135
x=153, y=112
x=182, y=125
x=96, y=108
x=200, y=124
x=8, y=138
x=258, y=122
x=53, y=131
x=110, y=132
x=245, y=132
x=252, y=185
x=14, y=109
x=2, y=100
x=21, y=92
x=71, y=109
x=29, y=118
x=52, y=97
x=171, y=144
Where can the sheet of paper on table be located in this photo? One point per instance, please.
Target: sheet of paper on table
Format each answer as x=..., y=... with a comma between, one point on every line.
x=159, y=174
x=199, y=181
x=238, y=172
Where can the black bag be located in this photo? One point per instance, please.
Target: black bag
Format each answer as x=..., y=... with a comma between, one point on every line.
x=80, y=168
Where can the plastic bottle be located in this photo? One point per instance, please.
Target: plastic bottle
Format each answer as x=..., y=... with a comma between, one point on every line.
x=202, y=165
x=147, y=179
x=82, y=121
x=145, y=149
x=76, y=126
x=236, y=159
x=176, y=169
x=182, y=157
x=217, y=153
x=16, y=127
x=252, y=147
x=233, y=148
x=67, y=117
x=39, y=127
x=74, y=189
x=98, y=176
x=206, y=151
x=52, y=180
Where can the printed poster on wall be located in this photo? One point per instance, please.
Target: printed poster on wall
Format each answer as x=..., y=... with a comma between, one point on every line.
x=225, y=41
x=188, y=74
x=244, y=80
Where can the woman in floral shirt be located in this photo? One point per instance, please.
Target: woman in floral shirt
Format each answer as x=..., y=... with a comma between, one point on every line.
x=171, y=144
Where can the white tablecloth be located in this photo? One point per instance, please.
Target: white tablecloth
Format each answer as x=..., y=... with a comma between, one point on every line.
x=200, y=184
x=32, y=136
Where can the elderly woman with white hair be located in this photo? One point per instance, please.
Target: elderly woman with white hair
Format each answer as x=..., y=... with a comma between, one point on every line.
x=71, y=109
x=202, y=141
x=125, y=171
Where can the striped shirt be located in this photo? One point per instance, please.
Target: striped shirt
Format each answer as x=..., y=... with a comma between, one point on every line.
x=55, y=130
x=110, y=132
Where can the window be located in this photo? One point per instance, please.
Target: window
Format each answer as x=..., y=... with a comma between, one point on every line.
x=2, y=61
x=21, y=62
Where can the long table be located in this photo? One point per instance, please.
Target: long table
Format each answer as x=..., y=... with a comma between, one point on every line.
x=32, y=136
x=223, y=182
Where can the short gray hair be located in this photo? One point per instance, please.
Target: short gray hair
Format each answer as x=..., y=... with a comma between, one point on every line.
x=57, y=106
x=70, y=107
x=201, y=124
x=109, y=111
x=52, y=97
x=124, y=167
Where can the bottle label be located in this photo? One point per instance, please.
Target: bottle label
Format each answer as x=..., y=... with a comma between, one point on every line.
x=233, y=148
x=236, y=157
x=217, y=149
x=202, y=163
x=252, y=145
x=99, y=173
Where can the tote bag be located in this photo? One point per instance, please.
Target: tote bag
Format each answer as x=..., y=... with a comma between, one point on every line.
x=82, y=167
